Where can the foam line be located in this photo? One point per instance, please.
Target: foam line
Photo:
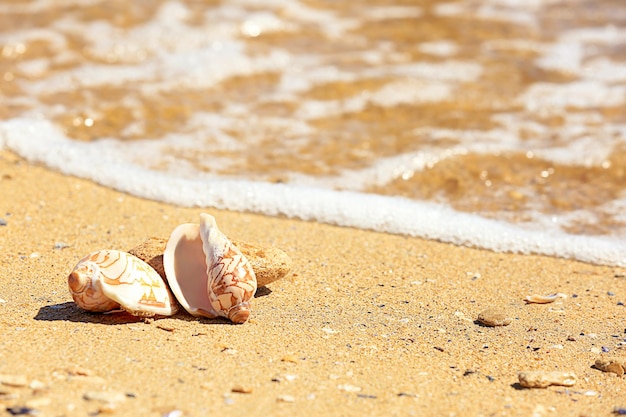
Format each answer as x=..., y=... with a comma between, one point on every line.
x=40, y=141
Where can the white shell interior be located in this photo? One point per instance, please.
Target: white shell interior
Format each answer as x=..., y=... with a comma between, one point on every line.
x=140, y=290
x=185, y=268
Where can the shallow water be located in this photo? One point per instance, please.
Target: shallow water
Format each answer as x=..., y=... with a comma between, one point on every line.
x=487, y=117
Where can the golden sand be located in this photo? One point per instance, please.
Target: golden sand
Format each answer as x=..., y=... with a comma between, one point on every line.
x=371, y=323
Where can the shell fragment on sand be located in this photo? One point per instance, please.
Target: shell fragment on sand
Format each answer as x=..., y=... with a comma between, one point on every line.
x=543, y=299
x=543, y=379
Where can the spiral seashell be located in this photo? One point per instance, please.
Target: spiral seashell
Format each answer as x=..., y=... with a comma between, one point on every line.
x=232, y=282
x=85, y=286
x=106, y=280
x=207, y=273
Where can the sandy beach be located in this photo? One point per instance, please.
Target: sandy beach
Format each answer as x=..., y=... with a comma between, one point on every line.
x=366, y=323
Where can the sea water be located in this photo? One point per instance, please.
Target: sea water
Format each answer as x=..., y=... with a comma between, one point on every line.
x=498, y=124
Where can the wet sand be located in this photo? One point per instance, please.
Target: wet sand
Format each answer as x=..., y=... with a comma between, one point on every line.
x=366, y=324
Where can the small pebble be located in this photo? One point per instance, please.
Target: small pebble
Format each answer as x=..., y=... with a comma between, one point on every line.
x=21, y=411
x=612, y=365
x=610, y=293
x=61, y=245
x=105, y=396
x=78, y=371
x=605, y=349
x=289, y=358
x=620, y=411
x=285, y=398
x=3, y=222
x=14, y=380
x=349, y=388
x=165, y=327
x=543, y=379
x=37, y=385
x=107, y=408
x=493, y=317
x=240, y=389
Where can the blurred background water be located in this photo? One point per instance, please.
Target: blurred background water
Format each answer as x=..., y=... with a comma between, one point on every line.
x=494, y=117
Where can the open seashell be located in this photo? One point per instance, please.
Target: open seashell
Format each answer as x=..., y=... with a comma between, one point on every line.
x=109, y=279
x=209, y=276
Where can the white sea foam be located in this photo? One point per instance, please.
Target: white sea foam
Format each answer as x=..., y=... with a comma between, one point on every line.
x=392, y=12
x=108, y=164
x=411, y=91
x=582, y=94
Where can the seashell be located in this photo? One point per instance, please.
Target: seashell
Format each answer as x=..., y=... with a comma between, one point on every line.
x=543, y=299
x=269, y=263
x=106, y=280
x=207, y=273
x=543, y=379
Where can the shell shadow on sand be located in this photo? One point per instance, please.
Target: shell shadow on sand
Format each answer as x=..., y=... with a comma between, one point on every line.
x=69, y=311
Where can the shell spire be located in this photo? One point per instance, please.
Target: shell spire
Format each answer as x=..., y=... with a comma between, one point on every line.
x=231, y=280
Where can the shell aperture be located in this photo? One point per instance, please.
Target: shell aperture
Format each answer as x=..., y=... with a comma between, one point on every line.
x=208, y=274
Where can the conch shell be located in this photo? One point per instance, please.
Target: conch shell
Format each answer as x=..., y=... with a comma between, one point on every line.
x=209, y=275
x=107, y=280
